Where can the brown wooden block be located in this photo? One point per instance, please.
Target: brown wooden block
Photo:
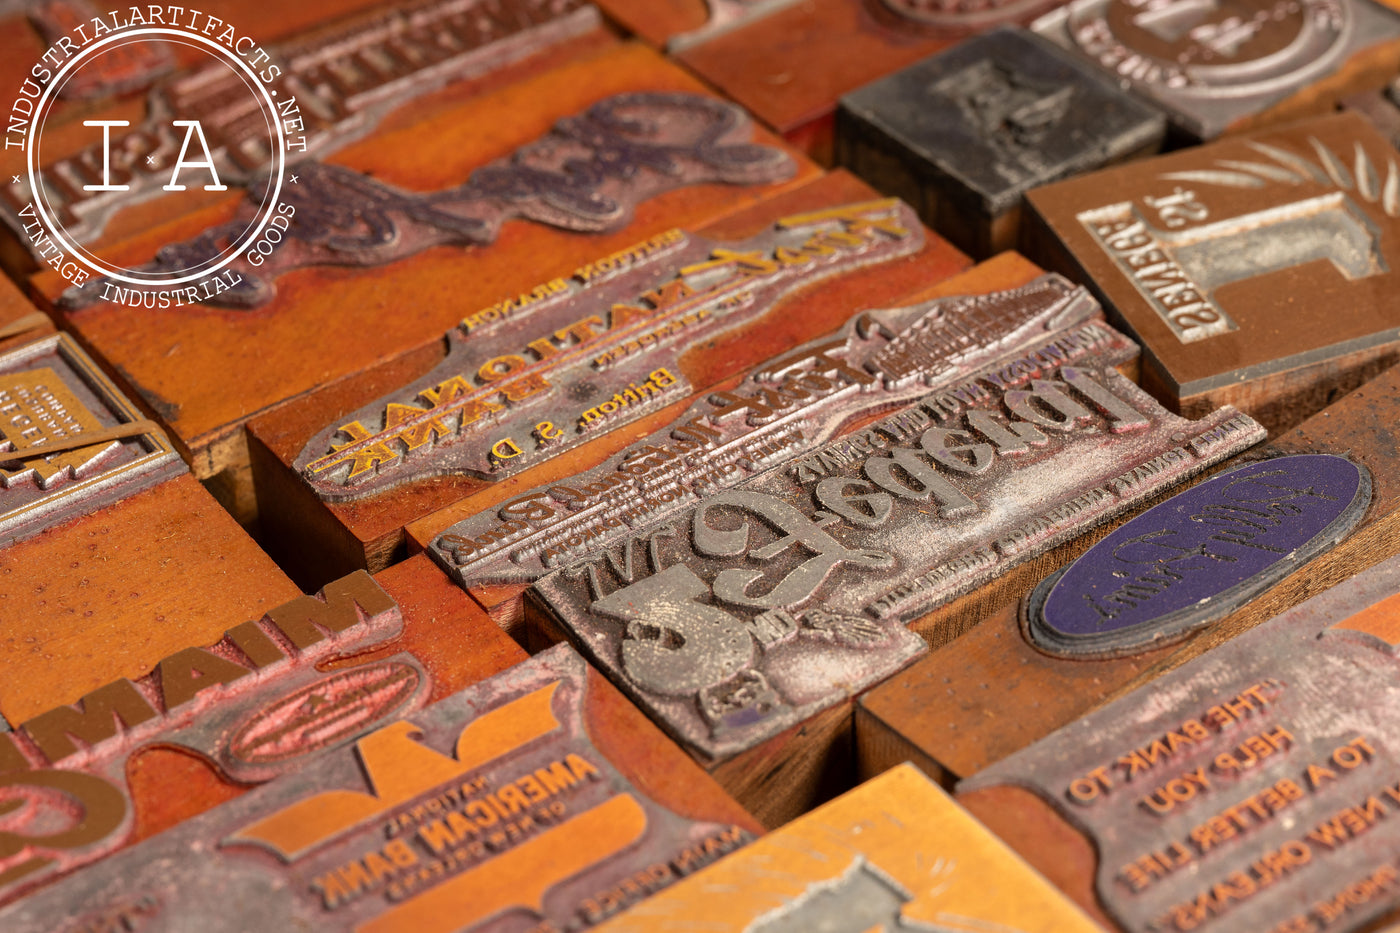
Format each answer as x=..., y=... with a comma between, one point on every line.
x=330, y=84
x=207, y=370
x=324, y=523
x=537, y=794
x=1249, y=789
x=992, y=691
x=20, y=321
x=1381, y=106
x=1217, y=69
x=1254, y=271
x=113, y=555
x=791, y=66
x=206, y=722
x=962, y=135
x=896, y=853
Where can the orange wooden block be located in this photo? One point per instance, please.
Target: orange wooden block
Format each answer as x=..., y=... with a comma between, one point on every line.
x=792, y=66
x=317, y=539
x=896, y=853
x=991, y=692
x=207, y=370
x=143, y=753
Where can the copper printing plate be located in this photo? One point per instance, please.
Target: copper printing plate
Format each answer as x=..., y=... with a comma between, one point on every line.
x=1255, y=788
x=1020, y=433
x=1246, y=257
x=51, y=394
x=485, y=806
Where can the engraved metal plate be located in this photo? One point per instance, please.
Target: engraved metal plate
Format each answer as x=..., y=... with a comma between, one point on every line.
x=895, y=855
x=1196, y=557
x=254, y=704
x=1254, y=788
x=1247, y=257
x=52, y=396
x=587, y=174
x=130, y=68
x=343, y=78
x=719, y=569
x=995, y=116
x=1211, y=62
x=725, y=15
x=533, y=376
x=491, y=810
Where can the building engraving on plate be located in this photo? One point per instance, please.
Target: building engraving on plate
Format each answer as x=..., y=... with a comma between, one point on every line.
x=254, y=704
x=532, y=376
x=334, y=85
x=1178, y=247
x=487, y=807
x=129, y=67
x=51, y=397
x=1194, y=558
x=1255, y=788
x=587, y=174
x=719, y=566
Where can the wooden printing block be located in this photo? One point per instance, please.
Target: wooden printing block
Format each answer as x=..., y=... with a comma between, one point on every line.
x=106, y=177
x=1251, y=789
x=537, y=795
x=896, y=853
x=197, y=729
x=113, y=555
x=1255, y=272
x=20, y=321
x=791, y=66
x=963, y=134
x=337, y=478
x=646, y=148
x=750, y=568
x=1382, y=107
x=1222, y=68
x=996, y=689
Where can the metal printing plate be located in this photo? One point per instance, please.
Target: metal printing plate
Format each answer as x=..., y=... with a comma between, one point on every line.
x=741, y=570
x=1256, y=787
x=52, y=396
x=725, y=15
x=348, y=76
x=1196, y=557
x=255, y=705
x=533, y=376
x=1211, y=63
x=588, y=174
x=491, y=810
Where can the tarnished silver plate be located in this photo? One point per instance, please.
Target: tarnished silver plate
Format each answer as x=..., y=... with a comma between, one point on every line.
x=1256, y=787
x=741, y=570
x=69, y=440
x=532, y=376
x=492, y=810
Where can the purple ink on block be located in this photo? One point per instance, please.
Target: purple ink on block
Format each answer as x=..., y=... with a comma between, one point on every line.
x=1192, y=559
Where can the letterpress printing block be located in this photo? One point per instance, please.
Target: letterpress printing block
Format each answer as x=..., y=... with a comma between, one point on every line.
x=536, y=799
x=1001, y=686
x=207, y=722
x=112, y=554
x=1251, y=789
x=750, y=567
x=678, y=24
x=587, y=159
x=1254, y=271
x=791, y=66
x=687, y=310
x=1225, y=67
x=1382, y=107
x=895, y=854
x=119, y=171
x=963, y=134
